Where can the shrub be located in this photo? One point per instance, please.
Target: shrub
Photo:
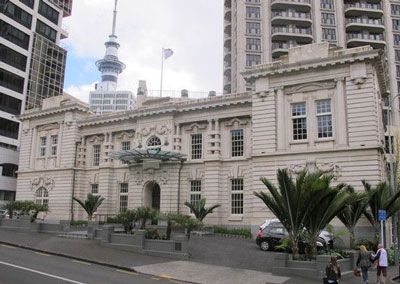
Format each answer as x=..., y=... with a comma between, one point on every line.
x=340, y=254
x=153, y=234
x=79, y=223
x=113, y=220
x=127, y=218
x=371, y=245
x=235, y=232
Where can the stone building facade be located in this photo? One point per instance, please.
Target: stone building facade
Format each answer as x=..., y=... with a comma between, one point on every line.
x=318, y=109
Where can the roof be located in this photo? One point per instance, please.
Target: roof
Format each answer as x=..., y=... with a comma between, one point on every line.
x=138, y=155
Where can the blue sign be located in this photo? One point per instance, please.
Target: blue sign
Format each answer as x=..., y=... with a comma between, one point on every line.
x=381, y=215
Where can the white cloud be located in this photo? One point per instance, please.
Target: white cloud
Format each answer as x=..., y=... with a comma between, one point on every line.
x=193, y=29
x=80, y=92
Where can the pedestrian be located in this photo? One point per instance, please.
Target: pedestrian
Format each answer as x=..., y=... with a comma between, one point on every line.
x=382, y=263
x=332, y=272
x=364, y=262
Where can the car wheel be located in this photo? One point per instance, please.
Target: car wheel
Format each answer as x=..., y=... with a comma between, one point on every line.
x=264, y=245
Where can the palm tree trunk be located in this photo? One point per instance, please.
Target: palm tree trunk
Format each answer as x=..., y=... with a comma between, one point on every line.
x=352, y=238
x=168, y=233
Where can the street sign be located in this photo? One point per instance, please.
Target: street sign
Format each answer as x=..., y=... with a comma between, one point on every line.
x=382, y=215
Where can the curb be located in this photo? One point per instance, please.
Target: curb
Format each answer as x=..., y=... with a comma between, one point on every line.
x=124, y=268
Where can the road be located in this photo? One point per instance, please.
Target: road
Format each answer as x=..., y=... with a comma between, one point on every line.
x=19, y=266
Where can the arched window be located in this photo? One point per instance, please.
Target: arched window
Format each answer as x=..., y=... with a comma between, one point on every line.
x=154, y=142
x=42, y=196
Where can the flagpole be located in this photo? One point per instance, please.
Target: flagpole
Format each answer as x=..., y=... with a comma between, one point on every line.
x=162, y=71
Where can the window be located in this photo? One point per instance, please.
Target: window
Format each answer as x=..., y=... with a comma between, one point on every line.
x=96, y=155
x=395, y=9
x=9, y=128
x=324, y=118
x=397, y=54
x=94, y=188
x=252, y=59
x=299, y=120
x=42, y=146
x=125, y=145
x=237, y=142
x=328, y=18
x=327, y=4
x=253, y=28
x=14, y=35
x=197, y=146
x=11, y=81
x=17, y=14
x=396, y=25
x=195, y=192
x=28, y=3
x=46, y=31
x=237, y=196
x=9, y=170
x=42, y=197
x=154, y=142
x=253, y=12
x=123, y=197
x=54, y=143
x=253, y=43
x=329, y=34
x=48, y=12
x=12, y=58
x=396, y=39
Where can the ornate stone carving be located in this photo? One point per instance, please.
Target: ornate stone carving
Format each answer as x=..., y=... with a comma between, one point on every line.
x=310, y=87
x=138, y=177
x=42, y=181
x=164, y=177
x=236, y=122
x=194, y=127
x=236, y=171
x=196, y=173
x=313, y=166
x=125, y=135
x=96, y=139
x=48, y=127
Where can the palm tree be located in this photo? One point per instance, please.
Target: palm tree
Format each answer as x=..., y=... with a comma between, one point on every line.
x=353, y=211
x=290, y=201
x=200, y=210
x=127, y=218
x=91, y=204
x=380, y=197
x=144, y=214
x=36, y=209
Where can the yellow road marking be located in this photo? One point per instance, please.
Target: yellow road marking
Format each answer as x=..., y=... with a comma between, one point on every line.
x=43, y=254
x=165, y=276
x=6, y=246
x=81, y=262
x=127, y=272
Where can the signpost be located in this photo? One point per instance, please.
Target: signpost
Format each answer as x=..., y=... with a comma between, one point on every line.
x=382, y=219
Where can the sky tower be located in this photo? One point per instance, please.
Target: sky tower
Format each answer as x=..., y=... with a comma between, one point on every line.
x=106, y=98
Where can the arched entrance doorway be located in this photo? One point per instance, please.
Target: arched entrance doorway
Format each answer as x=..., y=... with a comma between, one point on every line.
x=152, y=195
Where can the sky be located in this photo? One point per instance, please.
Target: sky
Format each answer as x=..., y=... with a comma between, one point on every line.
x=192, y=29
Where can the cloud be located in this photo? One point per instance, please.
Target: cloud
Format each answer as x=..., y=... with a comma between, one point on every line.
x=193, y=29
x=80, y=92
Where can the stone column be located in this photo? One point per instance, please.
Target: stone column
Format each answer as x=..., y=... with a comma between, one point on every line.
x=281, y=120
x=33, y=149
x=340, y=113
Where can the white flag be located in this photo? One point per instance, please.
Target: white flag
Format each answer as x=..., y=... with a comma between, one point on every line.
x=167, y=53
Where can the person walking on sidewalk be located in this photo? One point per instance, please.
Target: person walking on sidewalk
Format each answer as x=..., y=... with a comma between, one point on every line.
x=382, y=261
x=332, y=271
x=364, y=262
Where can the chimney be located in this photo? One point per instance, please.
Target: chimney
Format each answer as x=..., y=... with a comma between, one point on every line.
x=142, y=89
x=212, y=94
x=184, y=93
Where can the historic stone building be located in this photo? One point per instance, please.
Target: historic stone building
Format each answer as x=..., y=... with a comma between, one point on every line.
x=318, y=108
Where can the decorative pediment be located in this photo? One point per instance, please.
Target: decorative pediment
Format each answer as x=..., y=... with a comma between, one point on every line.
x=96, y=139
x=162, y=130
x=195, y=173
x=236, y=171
x=195, y=127
x=42, y=181
x=125, y=135
x=236, y=122
x=48, y=127
x=310, y=87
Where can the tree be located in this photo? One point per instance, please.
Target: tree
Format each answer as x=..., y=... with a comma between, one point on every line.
x=187, y=222
x=170, y=218
x=91, y=204
x=291, y=201
x=127, y=218
x=380, y=197
x=36, y=209
x=353, y=211
x=200, y=210
x=12, y=207
x=144, y=214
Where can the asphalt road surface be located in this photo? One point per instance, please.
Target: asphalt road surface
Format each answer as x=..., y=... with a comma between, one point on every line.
x=19, y=266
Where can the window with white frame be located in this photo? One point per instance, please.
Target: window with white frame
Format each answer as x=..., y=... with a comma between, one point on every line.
x=324, y=118
x=299, y=121
x=125, y=145
x=54, y=143
x=154, y=142
x=94, y=188
x=197, y=146
x=123, y=196
x=195, y=192
x=96, y=155
x=42, y=146
x=237, y=196
x=42, y=197
x=237, y=139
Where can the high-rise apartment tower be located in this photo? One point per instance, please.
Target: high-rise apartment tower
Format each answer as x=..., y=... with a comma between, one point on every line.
x=32, y=66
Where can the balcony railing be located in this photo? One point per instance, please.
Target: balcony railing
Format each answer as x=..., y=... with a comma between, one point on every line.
x=291, y=30
x=363, y=6
x=291, y=14
x=283, y=45
x=294, y=1
x=365, y=36
x=366, y=21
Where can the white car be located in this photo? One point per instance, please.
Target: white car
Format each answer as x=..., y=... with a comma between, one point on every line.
x=323, y=235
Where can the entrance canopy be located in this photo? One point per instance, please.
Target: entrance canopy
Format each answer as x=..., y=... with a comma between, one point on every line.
x=138, y=155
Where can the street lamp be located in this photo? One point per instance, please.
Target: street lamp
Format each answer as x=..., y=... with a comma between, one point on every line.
x=392, y=175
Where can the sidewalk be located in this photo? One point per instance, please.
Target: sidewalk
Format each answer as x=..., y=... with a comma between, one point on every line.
x=214, y=259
